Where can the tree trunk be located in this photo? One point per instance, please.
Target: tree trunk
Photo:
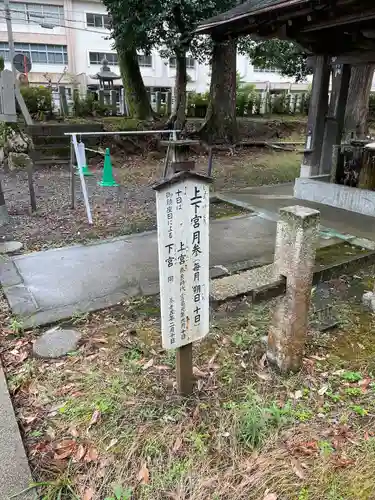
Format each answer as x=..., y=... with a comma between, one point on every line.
x=358, y=102
x=220, y=124
x=178, y=118
x=134, y=89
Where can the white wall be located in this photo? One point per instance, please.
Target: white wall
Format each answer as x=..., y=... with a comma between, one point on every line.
x=81, y=39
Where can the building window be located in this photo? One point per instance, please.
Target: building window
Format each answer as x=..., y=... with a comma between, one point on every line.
x=190, y=62
x=37, y=53
x=97, y=20
x=97, y=57
x=265, y=70
x=145, y=61
x=37, y=13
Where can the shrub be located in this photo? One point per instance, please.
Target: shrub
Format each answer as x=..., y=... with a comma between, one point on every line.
x=278, y=104
x=38, y=101
x=89, y=106
x=246, y=97
x=197, y=104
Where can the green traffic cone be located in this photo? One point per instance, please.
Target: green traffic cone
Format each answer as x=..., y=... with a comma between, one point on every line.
x=85, y=170
x=82, y=154
x=107, y=179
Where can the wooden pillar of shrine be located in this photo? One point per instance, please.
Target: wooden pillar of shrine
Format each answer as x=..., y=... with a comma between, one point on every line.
x=316, y=119
x=334, y=124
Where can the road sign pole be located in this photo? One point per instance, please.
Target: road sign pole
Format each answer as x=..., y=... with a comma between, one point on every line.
x=10, y=36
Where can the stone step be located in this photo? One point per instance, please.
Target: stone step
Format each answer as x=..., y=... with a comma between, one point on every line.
x=51, y=161
x=255, y=281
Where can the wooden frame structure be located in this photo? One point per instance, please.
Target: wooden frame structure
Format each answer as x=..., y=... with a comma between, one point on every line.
x=337, y=33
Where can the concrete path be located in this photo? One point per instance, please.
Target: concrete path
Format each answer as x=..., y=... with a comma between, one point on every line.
x=44, y=287
x=267, y=200
x=15, y=475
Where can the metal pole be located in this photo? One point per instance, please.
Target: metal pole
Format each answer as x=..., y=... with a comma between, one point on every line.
x=83, y=184
x=10, y=37
x=72, y=174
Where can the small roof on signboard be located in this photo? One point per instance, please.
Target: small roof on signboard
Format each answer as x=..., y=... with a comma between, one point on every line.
x=179, y=177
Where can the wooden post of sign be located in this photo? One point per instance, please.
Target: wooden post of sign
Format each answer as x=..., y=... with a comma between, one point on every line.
x=182, y=207
x=184, y=354
x=184, y=369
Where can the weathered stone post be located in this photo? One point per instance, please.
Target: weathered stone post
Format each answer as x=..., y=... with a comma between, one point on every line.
x=296, y=241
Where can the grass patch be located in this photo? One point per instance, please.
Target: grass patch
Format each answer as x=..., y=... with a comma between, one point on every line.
x=260, y=169
x=244, y=432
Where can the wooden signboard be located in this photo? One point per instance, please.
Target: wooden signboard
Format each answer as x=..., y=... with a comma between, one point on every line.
x=182, y=204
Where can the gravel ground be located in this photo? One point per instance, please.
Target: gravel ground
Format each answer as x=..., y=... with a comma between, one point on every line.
x=118, y=211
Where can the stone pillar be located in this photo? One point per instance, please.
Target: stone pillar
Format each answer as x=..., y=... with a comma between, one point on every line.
x=296, y=241
x=316, y=119
x=335, y=120
x=64, y=109
x=113, y=101
x=158, y=102
x=169, y=103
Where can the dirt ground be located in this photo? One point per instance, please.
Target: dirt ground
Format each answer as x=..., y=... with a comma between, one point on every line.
x=130, y=208
x=106, y=423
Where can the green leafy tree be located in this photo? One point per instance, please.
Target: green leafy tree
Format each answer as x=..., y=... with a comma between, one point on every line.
x=220, y=125
x=291, y=60
x=129, y=30
x=167, y=25
x=287, y=57
x=1, y=64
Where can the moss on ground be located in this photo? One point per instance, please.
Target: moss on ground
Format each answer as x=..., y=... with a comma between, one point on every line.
x=336, y=253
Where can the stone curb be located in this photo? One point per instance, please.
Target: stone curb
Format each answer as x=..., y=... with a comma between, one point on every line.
x=15, y=475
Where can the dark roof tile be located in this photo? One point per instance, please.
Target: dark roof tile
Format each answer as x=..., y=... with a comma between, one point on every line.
x=243, y=10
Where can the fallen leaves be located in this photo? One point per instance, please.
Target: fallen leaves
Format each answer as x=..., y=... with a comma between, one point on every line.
x=308, y=448
x=162, y=368
x=364, y=383
x=69, y=448
x=91, y=454
x=177, y=445
x=18, y=356
x=112, y=443
x=342, y=461
x=144, y=474
x=270, y=496
x=199, y=373
x=264, y=376
x=297, y=395
x=262, y=362
x=73, y=431
x=88, y=494
x=148, y=364
x=94, y=419
x=65, y=449
x=297, y=469
x=80, y=453
x=323, y=390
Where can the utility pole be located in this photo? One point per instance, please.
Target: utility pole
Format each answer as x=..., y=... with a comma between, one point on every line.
x=10, y=37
